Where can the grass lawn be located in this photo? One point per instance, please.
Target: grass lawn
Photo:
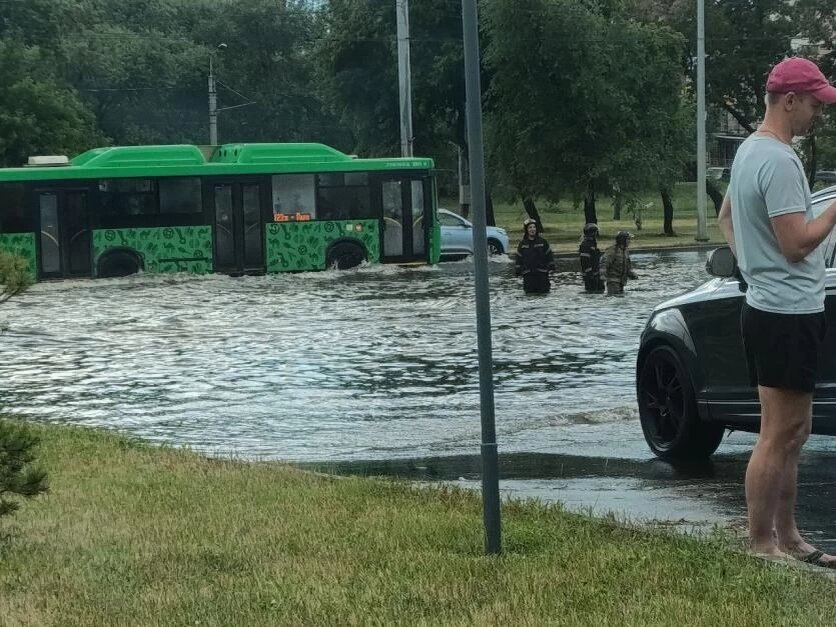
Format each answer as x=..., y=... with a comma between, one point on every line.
x=564, y=222
x=132, y=534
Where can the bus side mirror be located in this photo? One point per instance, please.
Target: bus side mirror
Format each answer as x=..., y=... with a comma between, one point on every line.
x=721, y=263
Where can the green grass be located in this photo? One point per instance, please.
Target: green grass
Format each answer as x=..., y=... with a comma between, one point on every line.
x=563, y=223
x=136, y=535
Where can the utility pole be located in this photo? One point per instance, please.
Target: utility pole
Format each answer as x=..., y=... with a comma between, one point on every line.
x=213, y=97
x=490, y=456
x=404, y=77
x=702, y=230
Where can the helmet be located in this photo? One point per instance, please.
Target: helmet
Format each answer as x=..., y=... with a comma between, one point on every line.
x=590, y=230
x=622, y=237
x=527, y=222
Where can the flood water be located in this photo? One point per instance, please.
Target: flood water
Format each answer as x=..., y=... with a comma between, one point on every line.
x=374, y=372
x=376, y=363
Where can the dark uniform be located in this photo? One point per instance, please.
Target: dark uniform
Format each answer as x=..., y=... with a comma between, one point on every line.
x=534, y=260
x=619, y=268
x=590, y=256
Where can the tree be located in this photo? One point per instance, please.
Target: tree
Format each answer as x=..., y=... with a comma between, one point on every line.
x=38, y=113
x=358, y=67
x=270, y=60
x=581, y=98
x=19, y=476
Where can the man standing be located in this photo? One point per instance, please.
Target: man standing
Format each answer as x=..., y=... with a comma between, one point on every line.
x=618, y=265
x=590, y=256
x=767, y=220
x=534, y=260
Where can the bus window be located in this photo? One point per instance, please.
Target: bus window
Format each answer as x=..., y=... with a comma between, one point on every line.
x=13, y=216
x=343, y=196
x=50, y=234
x=418, y=234
x=392, y=218
x=128, y=197
x=293, y=194
x=180, y=195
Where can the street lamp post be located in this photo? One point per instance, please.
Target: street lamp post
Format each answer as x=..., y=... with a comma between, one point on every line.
x=404, y=77
x=702, y=230
x=213, y=97
x=490, y=456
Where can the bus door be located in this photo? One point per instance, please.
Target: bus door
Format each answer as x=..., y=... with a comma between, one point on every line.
x=64, y=244
x=404, y=201
x=238, y=226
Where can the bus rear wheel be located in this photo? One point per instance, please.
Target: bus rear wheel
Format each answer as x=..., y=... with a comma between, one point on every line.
x=344, y=256
x=118, y=263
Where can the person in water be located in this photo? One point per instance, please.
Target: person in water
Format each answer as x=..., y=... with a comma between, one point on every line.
x=534, y=260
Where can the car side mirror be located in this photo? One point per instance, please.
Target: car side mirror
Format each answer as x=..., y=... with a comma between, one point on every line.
x=721, y=263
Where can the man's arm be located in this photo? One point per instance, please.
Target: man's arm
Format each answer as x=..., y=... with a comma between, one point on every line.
x=797, y=238
x=724, y=221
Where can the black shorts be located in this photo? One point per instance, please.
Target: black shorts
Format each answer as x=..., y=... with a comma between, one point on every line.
x=782, y=350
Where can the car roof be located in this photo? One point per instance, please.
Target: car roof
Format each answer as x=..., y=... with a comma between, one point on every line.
x=824, y=193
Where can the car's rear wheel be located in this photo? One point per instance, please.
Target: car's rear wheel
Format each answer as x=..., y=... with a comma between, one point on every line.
x=495, y=247
x=668, y=410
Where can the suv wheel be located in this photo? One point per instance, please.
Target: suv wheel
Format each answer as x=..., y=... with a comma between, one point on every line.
x=668, y=410
x=495, y=247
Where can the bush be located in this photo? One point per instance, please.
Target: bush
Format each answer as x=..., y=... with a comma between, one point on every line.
x=19, y=476
x=14, y=275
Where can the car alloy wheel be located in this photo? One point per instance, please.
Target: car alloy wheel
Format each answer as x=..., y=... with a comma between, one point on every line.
x=668, y=410
x=494, y=247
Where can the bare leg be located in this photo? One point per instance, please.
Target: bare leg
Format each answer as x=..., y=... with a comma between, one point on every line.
x=772, y=474
x=785, y=417
x=786, y=528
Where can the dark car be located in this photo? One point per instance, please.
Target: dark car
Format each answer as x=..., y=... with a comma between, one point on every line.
x=692, y=380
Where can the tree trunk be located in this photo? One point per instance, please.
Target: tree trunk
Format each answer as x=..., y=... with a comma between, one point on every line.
x=616, y=207
x=737, y=115
x=814, y=157
x=491, y=220
x=667, y=203
x=532, y=212
x=589, y=214
x=464, y=181
x=716, y=196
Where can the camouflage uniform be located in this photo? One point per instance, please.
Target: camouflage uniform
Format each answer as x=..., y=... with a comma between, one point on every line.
x=618, y=269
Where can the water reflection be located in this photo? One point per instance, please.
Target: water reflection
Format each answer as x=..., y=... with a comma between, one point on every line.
x=375, y=363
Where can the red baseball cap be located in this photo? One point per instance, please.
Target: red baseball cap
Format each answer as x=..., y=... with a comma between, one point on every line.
x=801, y=76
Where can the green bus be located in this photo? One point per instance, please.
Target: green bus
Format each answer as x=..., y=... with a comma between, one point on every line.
x=233, y=209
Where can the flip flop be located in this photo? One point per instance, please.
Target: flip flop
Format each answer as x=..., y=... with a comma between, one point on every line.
x=815, y=558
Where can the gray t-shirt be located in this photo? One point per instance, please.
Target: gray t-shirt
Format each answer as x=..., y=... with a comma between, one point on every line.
x=767, y=180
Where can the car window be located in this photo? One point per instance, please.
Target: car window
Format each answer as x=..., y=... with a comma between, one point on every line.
x=448, y=219
x=829, y=244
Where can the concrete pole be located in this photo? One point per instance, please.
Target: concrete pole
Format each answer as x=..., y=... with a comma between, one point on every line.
x=213, y=103
x=490, y=457
x=702, y=228
x=404, y=77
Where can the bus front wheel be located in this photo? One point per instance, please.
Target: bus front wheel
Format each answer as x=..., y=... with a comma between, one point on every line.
x=118, y=263
x=345, y=255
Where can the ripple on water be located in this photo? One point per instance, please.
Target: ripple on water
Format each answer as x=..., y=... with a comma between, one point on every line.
x=380, y=361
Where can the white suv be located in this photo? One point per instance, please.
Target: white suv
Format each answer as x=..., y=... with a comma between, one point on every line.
x=457, y=236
